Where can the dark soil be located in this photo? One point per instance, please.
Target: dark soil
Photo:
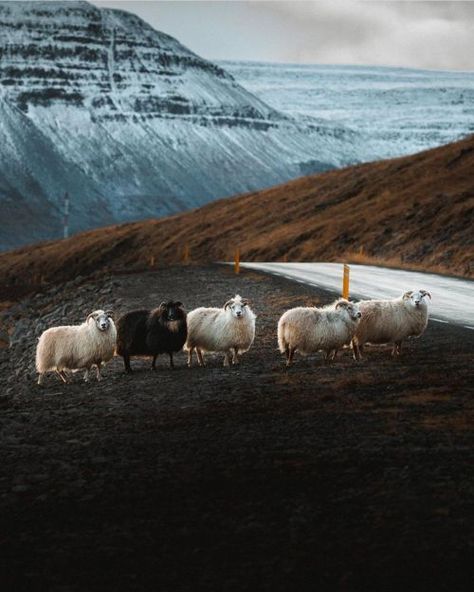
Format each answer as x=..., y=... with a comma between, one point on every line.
x=348, y=476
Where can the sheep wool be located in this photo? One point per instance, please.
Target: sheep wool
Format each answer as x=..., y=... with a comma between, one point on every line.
x=310, y=329
x=73, y=347
x=391, y=321
x=230, y=330
x=162, y=330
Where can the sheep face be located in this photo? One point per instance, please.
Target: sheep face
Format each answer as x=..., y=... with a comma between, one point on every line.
x=417, y=299
x=101, y=319
x=237, y=307
x=351, y=308
x=172, y=310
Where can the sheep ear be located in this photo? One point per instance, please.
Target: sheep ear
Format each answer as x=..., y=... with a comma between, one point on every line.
x=228, y=303
x=407, y=295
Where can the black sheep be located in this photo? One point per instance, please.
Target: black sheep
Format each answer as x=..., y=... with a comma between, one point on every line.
x=152, y=332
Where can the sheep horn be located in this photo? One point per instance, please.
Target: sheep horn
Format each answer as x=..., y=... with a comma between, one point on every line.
x=92, y=315
x=425, y=293
x=178, y=303
x=342, y=303
x=109, y=313
x=408, y=294
x=245, y=301
x=228, y=303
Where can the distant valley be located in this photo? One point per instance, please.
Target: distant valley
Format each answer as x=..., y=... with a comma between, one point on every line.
x=393, y=111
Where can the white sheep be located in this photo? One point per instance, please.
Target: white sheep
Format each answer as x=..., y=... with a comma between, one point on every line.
x=73, y=347
x=230, y=330
x=310, y=329
x=391, y=321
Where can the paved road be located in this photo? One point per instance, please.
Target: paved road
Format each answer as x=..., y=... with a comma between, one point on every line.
x=453, y=299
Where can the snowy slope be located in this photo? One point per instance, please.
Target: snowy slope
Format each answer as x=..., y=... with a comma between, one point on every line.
x=131, y=123
x=32, y=182
x=399, y=110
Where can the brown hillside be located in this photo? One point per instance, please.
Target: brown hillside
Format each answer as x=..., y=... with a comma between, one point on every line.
x=415, y=211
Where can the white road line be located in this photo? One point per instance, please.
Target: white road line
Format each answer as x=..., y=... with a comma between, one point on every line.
x=293, y=279
x=449, y=294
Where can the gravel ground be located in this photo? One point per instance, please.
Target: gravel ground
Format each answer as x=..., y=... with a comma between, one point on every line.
x=347, y=476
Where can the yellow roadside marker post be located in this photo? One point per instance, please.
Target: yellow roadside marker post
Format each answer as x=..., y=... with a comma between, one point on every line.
x=237, y=261
x=345, y=282
x=186, y=254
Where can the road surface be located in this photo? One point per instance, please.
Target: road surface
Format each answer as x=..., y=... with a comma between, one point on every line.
x=452, y=299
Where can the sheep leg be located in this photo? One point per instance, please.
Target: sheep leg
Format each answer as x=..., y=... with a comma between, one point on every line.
x=126, y=363
x=235, y=359
x=41, y=379
x=228, y=358
x=330, y=354
x=190, y=356
x=171, y=359
x=200, y=357
x=291, y=353
x=356, y=351
x=153, y=364
x=86, y=375
x=397, y=348
x=62, y=375
x=98, y=374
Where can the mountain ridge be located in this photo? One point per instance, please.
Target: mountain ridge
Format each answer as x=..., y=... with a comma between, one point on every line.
x=142, y=125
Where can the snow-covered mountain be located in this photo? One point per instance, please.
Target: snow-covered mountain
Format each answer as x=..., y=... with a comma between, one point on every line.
x=130, y=123
x=395, y=111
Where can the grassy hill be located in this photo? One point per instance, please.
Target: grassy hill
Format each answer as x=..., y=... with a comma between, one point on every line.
x=415, y=211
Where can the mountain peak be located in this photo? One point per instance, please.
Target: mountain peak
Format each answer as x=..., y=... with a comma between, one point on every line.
x=146, y=125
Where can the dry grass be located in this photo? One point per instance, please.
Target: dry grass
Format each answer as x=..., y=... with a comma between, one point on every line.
x=415, y=212
x=362, y=258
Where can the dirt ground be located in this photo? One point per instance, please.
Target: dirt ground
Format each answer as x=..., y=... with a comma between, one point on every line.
x=347, y=476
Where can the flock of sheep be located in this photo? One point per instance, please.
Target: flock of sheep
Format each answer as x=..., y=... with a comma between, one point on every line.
x=229, y=330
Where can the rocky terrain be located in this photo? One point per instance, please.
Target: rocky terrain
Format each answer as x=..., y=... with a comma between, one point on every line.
x=129, y=122
x=415, y=212
x=343, y=476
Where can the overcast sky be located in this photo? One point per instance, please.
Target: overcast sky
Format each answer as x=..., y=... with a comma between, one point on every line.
x=430, y=34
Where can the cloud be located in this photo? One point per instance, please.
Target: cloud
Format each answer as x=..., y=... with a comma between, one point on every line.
x=420, y=34
x=434, y=34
